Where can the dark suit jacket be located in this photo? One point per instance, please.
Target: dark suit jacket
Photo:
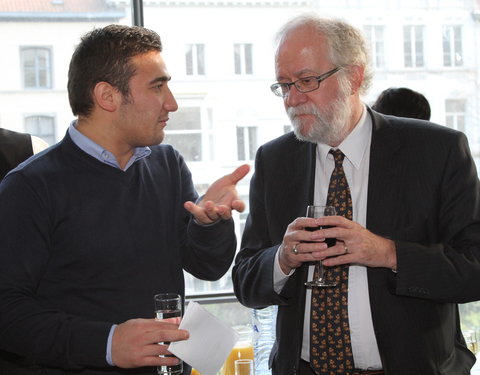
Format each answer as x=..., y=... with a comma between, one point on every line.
x=424, y=194
x=14, y=148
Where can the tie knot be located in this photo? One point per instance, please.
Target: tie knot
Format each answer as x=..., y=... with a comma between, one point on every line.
x=338, y=156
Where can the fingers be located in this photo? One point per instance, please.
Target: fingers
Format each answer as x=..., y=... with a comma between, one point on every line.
x=238, y=173
x=210, y=212
x=238, y=205
x=155, y=360
x=135, y=343
x=220, y=199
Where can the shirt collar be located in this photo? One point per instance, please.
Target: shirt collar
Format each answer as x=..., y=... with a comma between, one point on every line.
x=354, y=146
x=99, y=153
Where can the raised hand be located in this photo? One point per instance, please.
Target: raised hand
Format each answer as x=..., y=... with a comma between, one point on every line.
x=220, y=199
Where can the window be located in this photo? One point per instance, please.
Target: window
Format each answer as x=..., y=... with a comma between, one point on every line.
x=36, y=63
x=195, y=59
x=376, y=36
x=243, y=58
x=206, y=128
x=184, y=132
x=42, y=127
x=413, y=46
x=246, y=142
x=455, y=114
x=452, y=46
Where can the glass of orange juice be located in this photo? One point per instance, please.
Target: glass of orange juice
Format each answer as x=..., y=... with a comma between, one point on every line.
x=243, y=349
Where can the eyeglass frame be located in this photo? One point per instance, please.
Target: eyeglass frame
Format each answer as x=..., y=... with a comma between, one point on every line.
x=289, y=85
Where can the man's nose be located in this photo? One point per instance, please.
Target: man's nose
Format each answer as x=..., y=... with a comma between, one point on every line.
x=295, y=97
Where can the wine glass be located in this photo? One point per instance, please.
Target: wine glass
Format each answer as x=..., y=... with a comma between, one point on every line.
x=315, y=212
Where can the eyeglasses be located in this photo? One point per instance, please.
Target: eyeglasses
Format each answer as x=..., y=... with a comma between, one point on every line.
x=305, y=84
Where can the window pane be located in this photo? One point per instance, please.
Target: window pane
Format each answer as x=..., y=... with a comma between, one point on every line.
x=189, y=145
x=407, y=46
x=419, y=46
x=200, y=59
x=241, y=143
x=455, y=114
x=184, y=119
x=42, y=127
x=248, y=59
x=252, y=142
x=36, y=67
x=189, y=59
x=375, y=36
x=237, y=55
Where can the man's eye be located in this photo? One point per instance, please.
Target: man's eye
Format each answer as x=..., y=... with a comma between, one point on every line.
x=307, y=80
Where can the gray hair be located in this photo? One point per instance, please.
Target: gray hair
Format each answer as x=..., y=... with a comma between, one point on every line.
x=346, y=44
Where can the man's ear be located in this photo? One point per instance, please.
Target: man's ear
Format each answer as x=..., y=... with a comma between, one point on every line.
x=356, y=73
x=106, y=96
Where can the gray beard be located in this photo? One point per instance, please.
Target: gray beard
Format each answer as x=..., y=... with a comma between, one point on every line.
x=331, y=126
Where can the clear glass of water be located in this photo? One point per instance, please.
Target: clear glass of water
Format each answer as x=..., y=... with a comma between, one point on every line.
x=168, y=305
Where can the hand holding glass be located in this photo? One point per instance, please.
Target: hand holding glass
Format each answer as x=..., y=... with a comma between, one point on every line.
x=168, y=305
x=316, y=212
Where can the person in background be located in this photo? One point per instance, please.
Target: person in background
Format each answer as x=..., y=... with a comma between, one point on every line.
x=407, y=234
x=93, y=228
x=16, y=147
x=402, y=102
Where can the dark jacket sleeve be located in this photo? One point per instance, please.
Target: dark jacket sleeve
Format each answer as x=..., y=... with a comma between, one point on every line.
x=276, y=199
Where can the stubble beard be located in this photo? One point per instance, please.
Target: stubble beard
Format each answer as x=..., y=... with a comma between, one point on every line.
x=329, y=126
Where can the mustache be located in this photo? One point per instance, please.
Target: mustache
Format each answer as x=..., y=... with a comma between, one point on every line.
x=304, y=109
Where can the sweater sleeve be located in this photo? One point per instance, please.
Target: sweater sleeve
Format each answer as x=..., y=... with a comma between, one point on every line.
x=207, y=251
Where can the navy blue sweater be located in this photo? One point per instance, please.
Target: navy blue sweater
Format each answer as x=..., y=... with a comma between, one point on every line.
x=84, y=245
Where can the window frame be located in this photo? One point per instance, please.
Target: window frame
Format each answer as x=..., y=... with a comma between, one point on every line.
x=195, y=60
x=451, y=41
x=410, y=40
x=49, y=137
x=243, y=59
x=37, y=70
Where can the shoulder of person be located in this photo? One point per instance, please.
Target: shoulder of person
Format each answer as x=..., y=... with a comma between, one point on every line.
x=38, y=144
x=415, y=127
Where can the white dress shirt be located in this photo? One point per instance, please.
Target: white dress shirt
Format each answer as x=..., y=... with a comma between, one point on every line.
x=356, y=148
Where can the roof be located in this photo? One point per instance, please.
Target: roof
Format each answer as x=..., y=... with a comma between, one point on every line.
x=58, y=9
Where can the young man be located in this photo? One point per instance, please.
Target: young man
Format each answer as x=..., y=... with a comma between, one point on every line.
x=408, y=248
x=92, y=229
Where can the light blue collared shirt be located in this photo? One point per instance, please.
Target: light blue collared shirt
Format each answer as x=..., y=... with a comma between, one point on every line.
x=99, y=153
x=105, y=156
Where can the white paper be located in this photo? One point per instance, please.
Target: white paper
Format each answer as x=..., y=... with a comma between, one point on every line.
x=210, y=341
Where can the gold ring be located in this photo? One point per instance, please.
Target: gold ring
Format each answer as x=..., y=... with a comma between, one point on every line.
x=346, y=249
x=294, y=249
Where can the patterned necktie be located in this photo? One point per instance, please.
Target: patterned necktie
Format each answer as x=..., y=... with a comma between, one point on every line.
x=330, y=346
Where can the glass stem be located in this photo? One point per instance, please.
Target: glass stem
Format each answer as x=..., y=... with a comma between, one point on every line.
x=319, y=270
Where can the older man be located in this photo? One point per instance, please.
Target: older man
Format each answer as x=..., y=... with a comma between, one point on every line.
x=407, y=237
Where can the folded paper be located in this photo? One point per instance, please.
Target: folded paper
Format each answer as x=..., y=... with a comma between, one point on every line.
x=210, y=341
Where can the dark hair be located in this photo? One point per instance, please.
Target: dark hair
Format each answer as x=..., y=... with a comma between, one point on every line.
x=403, y=102
x=104, y=55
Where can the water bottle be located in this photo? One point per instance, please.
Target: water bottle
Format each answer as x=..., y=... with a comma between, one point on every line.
x=263, y=321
